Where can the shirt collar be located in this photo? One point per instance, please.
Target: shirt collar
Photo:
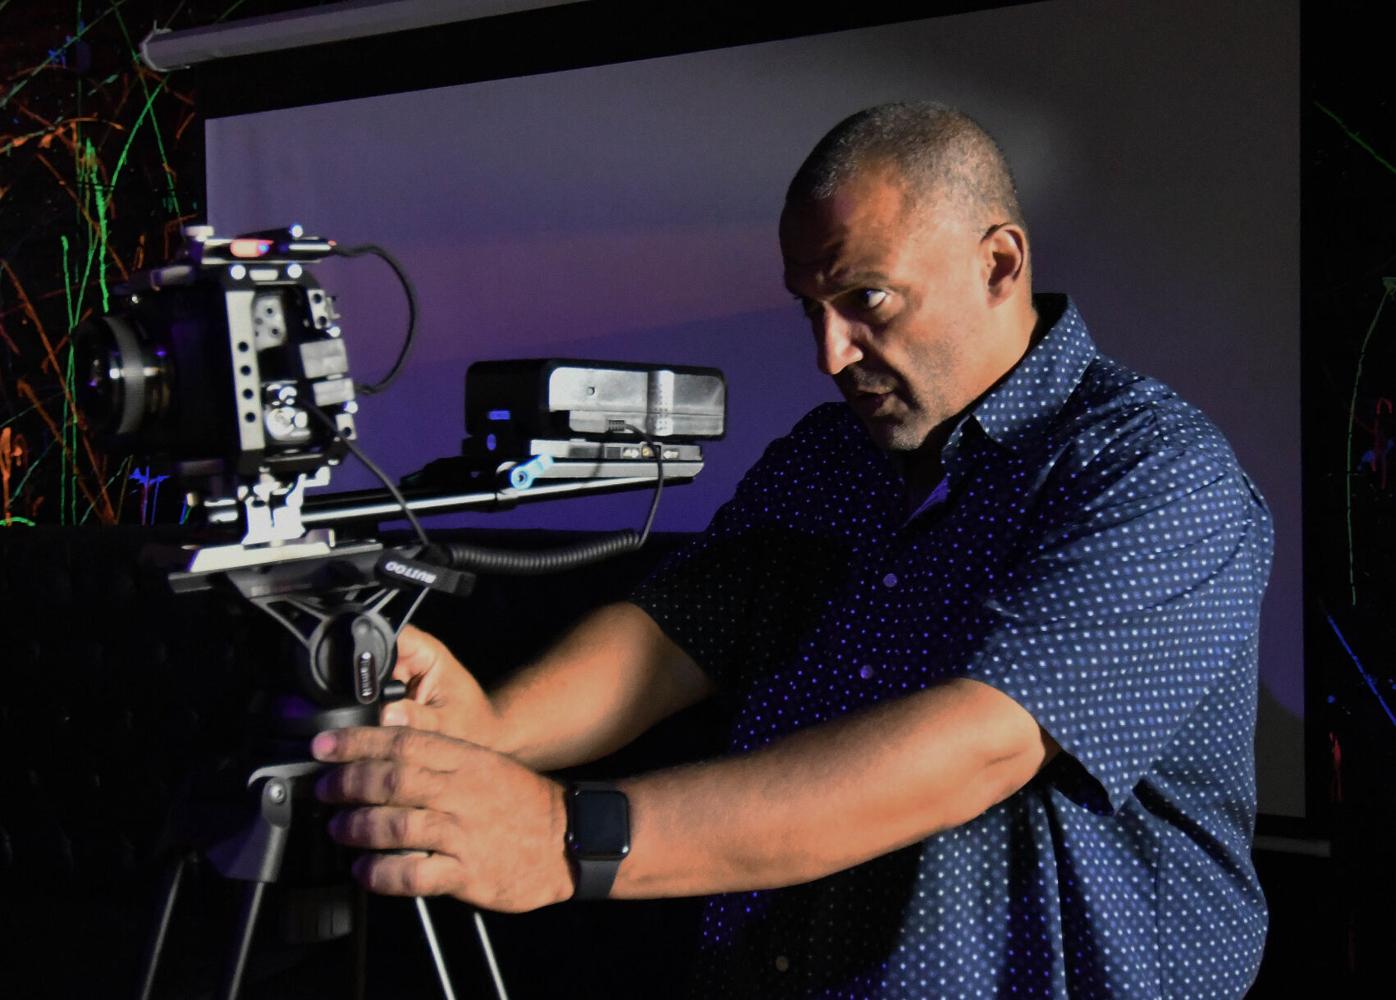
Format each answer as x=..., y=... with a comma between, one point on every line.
x=1021, y=407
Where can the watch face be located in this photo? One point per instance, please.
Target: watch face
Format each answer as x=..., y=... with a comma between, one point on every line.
x=599, y=824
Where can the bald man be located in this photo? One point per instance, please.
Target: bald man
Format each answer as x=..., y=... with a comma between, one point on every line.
x=991, y=623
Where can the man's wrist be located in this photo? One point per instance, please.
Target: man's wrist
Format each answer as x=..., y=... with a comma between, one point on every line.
x=564, y=881
x=597, y=840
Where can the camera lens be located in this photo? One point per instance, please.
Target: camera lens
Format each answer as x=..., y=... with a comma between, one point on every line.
x=123, y=378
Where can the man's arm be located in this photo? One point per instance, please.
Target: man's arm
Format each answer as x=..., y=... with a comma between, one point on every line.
x=831, y=796
x=812, y=804
x=612, y=677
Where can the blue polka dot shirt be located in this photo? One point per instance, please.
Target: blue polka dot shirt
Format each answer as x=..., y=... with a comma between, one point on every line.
x=1096, y=553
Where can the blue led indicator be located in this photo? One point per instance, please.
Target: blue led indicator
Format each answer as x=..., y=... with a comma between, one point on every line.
x=500, y=415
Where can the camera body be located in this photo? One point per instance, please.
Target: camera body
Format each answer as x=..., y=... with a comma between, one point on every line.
x=214, y=364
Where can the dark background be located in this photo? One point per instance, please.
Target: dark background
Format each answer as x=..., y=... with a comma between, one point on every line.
x=99, y=721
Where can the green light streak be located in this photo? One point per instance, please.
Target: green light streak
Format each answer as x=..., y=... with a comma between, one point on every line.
x=4, y=101
x=1356, y=138
x=136, y=127
x=90, y=179
x=67, y=283
x=1347, y=461
x=154, y=123
x=9, y=420
x=91, y=508
x=125, y=473
x=70, y=428
x=87, y=183
x=92, y=90
x=16, y=519
x=102, y=193
x=234, y=7
x=18, y=490
x=101, y=238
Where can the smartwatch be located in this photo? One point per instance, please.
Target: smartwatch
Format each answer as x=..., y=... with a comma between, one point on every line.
x=598, y=835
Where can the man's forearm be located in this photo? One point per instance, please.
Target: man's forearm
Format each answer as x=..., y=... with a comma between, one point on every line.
x=607, y=681
x=830, y=797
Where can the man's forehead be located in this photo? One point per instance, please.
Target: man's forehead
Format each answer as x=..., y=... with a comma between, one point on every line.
x=859, y=227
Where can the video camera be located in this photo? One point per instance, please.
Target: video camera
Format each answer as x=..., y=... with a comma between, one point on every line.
x=228, y=367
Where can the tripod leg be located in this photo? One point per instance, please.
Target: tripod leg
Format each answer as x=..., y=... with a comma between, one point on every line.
x=429, y=929
x=173, y=878
x=251, y=904
x=488, y=949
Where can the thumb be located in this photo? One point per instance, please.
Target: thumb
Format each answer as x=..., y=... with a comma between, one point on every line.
x=406, y=712
x=418, y=653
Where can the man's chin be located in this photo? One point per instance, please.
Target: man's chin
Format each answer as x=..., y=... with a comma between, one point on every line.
x=893, y=435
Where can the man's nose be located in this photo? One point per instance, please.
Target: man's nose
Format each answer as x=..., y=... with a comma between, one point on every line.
x=835, y=342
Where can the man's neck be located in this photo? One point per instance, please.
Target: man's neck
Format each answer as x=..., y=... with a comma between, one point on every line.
x=922, y=469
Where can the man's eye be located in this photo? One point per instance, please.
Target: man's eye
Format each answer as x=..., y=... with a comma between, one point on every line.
x=870, y=299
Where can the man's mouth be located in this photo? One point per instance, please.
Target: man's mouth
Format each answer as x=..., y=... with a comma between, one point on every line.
x=870, y=402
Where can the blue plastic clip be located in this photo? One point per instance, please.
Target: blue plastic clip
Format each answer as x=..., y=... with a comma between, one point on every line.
x=521, y=476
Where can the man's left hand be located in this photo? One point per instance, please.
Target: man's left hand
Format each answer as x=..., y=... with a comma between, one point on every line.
x=477, y=825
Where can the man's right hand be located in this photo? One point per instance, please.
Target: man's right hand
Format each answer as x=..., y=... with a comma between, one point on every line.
x=442, y=695
x=609, y=679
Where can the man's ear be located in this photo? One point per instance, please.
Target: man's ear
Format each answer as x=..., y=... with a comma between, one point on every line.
x=1004, y=253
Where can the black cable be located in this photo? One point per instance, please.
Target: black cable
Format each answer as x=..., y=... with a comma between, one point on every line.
x=658, y=485
x=382, y=477
x=507, y=562
x=367, y=388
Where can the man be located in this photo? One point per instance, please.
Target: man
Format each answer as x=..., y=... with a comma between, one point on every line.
x=992, y=627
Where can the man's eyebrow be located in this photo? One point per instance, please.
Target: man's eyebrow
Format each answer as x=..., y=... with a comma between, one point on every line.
x=843, y=281
x=851, y=279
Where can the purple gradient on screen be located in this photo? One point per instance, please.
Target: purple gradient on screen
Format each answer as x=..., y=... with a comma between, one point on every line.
x=628, y=212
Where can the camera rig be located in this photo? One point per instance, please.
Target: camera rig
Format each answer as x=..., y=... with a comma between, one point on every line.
x=228, y=366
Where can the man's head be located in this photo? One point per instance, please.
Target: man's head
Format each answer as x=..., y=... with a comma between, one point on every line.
x=904, y=242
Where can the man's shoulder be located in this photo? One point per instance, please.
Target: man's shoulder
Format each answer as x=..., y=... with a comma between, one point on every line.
x=1114, y=409
x=824, y=464
x=1127, y=441
x=828, y=433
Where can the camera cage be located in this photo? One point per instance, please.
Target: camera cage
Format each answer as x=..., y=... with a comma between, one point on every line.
x=229, y=367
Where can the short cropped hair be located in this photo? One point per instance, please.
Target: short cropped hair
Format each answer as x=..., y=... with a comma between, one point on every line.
x=936, y=150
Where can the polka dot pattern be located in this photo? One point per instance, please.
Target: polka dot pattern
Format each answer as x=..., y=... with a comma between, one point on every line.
x=1096, y=553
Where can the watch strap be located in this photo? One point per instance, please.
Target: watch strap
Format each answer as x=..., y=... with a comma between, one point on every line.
x=594, y=876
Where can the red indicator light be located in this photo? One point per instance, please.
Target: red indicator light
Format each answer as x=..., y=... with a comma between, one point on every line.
x=246, y=248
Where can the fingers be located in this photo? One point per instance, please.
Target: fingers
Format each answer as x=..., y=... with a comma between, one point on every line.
x=419, y=653
x=389, y=828
x=408, y=874
x=410, y=713
x=410, y=746
x=379, y=782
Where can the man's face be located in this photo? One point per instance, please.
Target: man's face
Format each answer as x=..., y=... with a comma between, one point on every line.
x=895, y=294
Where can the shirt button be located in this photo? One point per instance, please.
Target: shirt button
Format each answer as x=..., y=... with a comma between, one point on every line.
x=866, y=671
x=782, y=963
x=890, y=580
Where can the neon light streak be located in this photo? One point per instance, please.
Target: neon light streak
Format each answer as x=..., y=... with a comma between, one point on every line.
x=33, y=464
x=67, y=283
x=1356, y=138
x=58, y=53
x=107, y=487
x=154, y=123
x=70, y=427
x=1347, y=459
x=1370, y=681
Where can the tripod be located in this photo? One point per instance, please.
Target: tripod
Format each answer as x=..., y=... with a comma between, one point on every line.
x=343, y=651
